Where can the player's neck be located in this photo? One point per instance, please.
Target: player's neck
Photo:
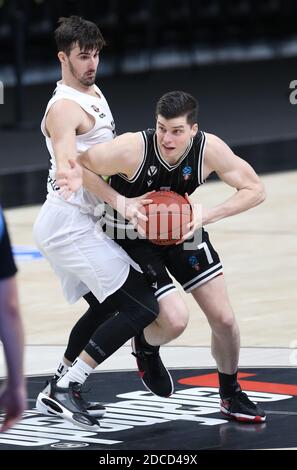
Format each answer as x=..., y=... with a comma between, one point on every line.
x=88, y=90
x=171, y=160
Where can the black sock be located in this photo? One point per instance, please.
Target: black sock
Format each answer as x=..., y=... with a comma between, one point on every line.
x=146, y=345
x=228, y=384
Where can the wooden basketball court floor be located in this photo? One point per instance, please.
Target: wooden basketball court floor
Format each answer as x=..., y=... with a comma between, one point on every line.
x=259, y=252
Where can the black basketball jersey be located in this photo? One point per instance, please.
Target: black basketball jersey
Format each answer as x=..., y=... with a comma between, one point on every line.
x=155, y=173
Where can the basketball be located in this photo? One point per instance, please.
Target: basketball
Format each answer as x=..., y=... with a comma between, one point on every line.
x=168, y=217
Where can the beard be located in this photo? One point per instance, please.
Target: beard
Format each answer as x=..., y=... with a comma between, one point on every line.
x=87, y=81
x=84, y=80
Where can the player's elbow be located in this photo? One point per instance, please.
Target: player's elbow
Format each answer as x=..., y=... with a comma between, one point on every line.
x=260, y=193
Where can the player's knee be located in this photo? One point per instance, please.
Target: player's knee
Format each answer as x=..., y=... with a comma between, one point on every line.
x=174, y=319
x=143, y=315
x=225, y=322
x=12, y=307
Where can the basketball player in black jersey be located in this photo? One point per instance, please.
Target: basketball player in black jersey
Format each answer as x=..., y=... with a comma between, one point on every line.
x=179, y=157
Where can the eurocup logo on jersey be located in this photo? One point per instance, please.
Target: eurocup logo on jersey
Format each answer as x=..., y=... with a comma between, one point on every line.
x=1, y=93
x=194, y=263
x=187, y=172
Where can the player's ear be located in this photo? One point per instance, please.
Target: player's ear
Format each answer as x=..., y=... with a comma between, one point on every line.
x=194, y=130
x=62, y=57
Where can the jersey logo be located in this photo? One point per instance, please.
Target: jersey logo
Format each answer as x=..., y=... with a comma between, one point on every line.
x=53, y=184
x=187, y=172
x=194, y=263
x=149, y=182
x=152, y=170
x=97, y=110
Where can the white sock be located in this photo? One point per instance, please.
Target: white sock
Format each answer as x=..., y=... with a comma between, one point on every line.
x=78, y=372
x=61, y=369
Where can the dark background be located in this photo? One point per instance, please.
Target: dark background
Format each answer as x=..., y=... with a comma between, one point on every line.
x=237, y=57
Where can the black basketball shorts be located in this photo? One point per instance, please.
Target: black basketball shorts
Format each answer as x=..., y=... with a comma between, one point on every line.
x=191, y=267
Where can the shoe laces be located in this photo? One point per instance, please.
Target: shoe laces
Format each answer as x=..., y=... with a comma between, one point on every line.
x=78, y=391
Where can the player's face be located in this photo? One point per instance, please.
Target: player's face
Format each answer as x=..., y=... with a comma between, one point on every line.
x=83, y=65
x=174, y=136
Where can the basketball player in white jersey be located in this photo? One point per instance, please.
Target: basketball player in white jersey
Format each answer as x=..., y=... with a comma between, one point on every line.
x=88, y=263
x=182, y=157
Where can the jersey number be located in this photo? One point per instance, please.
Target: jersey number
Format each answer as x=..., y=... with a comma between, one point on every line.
x=203, y=246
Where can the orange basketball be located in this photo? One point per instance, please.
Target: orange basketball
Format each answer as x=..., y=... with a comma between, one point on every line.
x=168, y=216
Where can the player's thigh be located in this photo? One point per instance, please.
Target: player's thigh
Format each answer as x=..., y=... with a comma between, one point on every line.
x=193, y=264
x=150, y=259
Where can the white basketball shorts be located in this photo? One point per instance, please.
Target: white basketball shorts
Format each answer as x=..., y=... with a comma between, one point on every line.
x=82, y=256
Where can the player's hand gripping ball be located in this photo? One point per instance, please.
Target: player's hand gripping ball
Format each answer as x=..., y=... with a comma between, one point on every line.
x=168, y=216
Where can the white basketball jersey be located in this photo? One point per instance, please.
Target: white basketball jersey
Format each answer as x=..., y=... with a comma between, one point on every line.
x=102, y=131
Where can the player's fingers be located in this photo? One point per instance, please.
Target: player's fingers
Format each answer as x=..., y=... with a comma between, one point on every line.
x=179, y=242
x=65, y=193
x=141, y=216
x=61, y=181
x=187, y=198
x=149, y=193
x=8, y=423
x=187, y=235
x=62, y=190
x=144, y=202
x=191, y=224
x=133, y=221
x=72, y=163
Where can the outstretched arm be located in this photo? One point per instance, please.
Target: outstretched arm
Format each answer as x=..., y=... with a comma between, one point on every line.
x=121, y=155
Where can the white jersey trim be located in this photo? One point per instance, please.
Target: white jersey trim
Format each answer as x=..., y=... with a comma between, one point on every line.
x=201, y=159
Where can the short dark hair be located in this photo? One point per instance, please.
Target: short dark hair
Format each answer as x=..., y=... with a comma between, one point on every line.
x=75, y=29
x=178, y=103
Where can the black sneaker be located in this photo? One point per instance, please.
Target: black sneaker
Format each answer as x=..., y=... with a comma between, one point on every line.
x=67, y=403
x=93, y=408
x=241, y=408
x=152, y=371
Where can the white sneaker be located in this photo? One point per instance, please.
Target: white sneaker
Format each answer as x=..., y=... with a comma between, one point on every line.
x=93, y=408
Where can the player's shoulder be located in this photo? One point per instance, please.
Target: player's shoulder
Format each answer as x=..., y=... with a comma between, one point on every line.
x=64, y=112
x=64, y=105
x=214, y=143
